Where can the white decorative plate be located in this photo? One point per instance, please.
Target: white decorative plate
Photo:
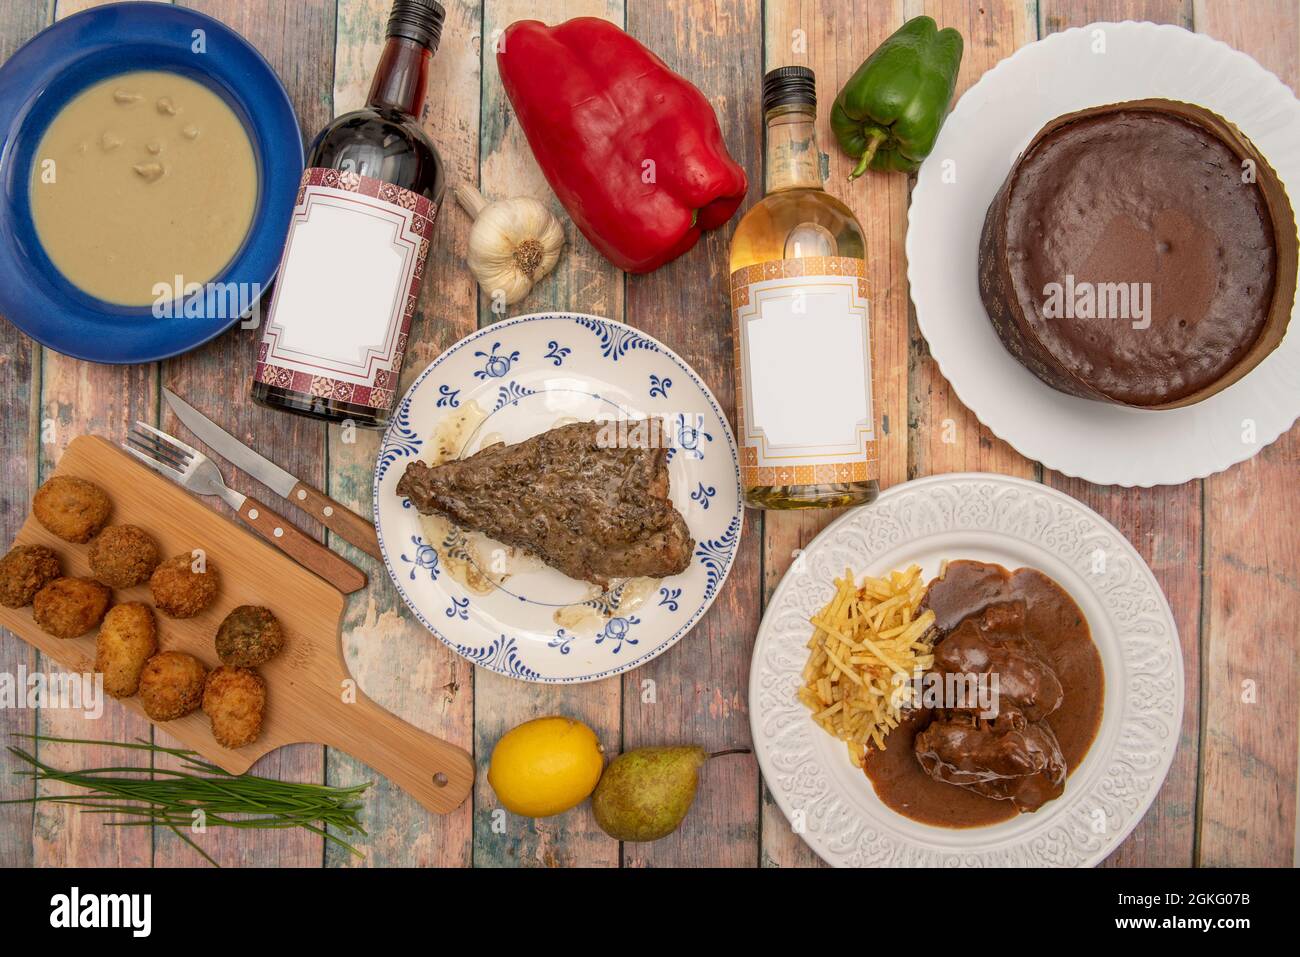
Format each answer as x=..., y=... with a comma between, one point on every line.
x=991, y=124
x=510, y=381
x=1015, y=523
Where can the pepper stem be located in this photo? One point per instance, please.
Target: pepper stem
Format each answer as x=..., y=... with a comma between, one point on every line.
x=878, y=137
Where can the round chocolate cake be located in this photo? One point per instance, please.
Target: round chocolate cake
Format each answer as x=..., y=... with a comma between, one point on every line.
x=1141, y=253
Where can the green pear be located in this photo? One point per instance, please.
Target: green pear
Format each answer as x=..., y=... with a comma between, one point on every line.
x=644, y=794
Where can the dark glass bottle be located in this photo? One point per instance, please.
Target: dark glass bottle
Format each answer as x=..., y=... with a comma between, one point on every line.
x=381, y=141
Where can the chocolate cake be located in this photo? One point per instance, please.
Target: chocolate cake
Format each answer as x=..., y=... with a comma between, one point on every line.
x=1142, y=253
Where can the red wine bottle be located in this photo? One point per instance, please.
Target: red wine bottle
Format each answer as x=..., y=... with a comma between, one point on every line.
x=354, y=257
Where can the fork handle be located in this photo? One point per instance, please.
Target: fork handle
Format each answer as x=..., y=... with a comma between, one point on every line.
x=301, y=547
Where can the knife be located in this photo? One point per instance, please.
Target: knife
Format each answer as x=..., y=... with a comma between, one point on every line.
x=197, y=473
x=337, y=518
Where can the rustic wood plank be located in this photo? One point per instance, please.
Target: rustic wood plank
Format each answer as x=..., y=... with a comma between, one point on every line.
x=73, y=402
x=1164, y=524
x=393, y=657
x=78, y=397
x=20, y=452
x=1057, y=15
x=1252, y=567
x=298, y=41
x=833, y=39
x=583, y=281
x=700, y=686
x=945, y=436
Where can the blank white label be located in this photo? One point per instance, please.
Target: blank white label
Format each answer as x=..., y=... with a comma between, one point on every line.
x=807, y=370
x=343, y=285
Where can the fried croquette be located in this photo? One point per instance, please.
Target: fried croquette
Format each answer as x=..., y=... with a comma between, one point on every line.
x=181, y=592
x=126, y=640
x=171, y=685
x=71, y=508
x=123, y=556
x=25, y=571
x=249, y=636
x=69, y=607
x=234, y=700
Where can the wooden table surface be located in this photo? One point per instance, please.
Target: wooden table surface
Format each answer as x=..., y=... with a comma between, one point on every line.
x=1224, y=549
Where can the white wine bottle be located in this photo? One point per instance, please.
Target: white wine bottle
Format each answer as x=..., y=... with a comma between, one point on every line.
x=801, y=324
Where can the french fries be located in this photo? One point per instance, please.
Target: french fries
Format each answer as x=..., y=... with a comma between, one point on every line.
x=867, y=644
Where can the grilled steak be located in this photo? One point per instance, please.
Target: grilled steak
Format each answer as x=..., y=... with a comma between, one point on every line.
x=594, y=513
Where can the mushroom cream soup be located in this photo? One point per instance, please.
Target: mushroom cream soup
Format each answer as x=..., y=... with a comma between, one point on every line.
x=139, y=179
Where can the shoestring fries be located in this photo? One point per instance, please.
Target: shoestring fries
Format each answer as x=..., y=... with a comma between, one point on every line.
x=867, y=644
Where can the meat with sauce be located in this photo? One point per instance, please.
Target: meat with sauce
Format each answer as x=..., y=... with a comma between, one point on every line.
x=995, y=643
x=1008, y=758
x=592, y=508
x=1009, y=752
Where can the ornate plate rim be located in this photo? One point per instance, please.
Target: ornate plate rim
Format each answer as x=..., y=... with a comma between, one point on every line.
x=691, y=621
x=1021, y=849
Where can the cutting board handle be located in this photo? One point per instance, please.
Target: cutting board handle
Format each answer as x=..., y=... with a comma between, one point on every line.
x=437, y=774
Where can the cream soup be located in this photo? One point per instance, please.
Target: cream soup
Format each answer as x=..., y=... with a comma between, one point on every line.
x=142, y=178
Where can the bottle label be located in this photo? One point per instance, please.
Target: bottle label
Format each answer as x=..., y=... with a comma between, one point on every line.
x=347, y=289
x=804, y=411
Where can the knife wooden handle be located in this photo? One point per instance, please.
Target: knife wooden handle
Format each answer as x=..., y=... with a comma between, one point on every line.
x=302, y=548
x=337, y=518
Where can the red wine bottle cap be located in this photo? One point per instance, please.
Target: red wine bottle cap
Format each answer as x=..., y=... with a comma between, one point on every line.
x=418, y=20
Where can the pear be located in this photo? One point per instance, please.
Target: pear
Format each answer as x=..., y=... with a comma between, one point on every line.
x=644, y=794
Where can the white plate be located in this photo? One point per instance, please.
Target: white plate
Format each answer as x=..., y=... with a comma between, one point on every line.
x=1015, y=523
x=1103, y=443
x=529, y=374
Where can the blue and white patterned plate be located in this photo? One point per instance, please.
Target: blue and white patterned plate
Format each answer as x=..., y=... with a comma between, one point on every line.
x=506, y=611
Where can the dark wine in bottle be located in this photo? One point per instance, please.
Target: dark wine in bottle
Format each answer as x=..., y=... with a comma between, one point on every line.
x=354, y=258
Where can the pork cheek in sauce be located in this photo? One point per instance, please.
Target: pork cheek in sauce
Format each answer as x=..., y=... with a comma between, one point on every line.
x=1056, y=632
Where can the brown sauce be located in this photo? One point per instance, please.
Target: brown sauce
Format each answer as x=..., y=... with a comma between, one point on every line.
x=1057, y=625
x=1180, y=222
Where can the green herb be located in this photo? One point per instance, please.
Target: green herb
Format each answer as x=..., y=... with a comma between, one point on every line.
x=162, y=797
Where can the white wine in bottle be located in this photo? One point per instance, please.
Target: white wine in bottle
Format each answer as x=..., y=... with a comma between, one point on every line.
x=801, y=323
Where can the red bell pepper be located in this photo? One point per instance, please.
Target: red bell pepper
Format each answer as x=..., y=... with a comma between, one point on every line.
x=632, y=150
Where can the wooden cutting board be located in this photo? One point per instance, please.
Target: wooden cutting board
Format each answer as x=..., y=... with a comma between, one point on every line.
x=310, y=695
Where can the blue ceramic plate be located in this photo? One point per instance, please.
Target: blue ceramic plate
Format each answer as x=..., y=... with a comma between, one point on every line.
x=52, y=69
x=507, y=382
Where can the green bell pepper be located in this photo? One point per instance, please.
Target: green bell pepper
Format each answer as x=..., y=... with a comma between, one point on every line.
x=889, y=113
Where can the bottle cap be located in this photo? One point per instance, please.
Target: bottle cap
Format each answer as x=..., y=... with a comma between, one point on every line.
x=789, y=86
x=418, y=20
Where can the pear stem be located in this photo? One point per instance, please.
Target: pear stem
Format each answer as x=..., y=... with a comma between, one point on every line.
x=719, y=754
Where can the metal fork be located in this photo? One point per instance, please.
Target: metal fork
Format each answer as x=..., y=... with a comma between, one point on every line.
x=194, y=471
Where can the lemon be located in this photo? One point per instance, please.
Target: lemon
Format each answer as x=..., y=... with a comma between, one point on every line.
x=545, y=766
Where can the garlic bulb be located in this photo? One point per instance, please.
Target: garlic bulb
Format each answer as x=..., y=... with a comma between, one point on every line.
x=514, y=243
